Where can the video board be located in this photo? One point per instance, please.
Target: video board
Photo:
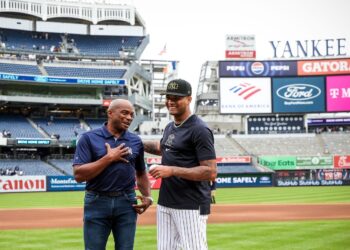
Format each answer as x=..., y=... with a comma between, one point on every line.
x=305, y=86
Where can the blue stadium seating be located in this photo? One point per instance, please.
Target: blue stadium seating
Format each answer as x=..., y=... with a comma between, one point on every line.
x=18, y=126
x=95, y=123
x=63, y=164
x=27, y=40
x=30, y=167
x=104, y=45
x=64, y=127
x=24, y=69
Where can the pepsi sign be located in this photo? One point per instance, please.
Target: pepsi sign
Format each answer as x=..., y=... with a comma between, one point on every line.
x=298, y=94
x=256, y=68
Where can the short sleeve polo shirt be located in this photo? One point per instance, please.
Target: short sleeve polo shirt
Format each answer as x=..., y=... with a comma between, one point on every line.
x=118, y=176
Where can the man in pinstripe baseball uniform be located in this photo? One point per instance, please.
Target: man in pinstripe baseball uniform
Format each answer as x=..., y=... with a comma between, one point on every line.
x=187, y=167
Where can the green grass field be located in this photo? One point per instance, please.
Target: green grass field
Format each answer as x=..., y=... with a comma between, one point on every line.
x=311, y=235
x=330, y=234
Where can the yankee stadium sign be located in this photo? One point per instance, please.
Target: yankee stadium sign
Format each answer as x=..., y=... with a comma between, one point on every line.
x=309, y=48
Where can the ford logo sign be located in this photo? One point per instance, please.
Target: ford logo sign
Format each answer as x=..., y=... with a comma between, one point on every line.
x=298, y=92
x=264, y=178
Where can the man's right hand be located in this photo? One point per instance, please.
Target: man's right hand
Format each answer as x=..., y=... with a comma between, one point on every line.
x=116, y=154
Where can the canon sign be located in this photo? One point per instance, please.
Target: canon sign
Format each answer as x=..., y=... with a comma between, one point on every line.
x=298, y=91
x=22, y=183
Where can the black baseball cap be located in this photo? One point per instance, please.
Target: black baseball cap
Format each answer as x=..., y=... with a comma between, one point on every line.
x=178, y=87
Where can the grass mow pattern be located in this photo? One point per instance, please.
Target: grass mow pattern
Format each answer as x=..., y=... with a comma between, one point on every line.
x=317, y=235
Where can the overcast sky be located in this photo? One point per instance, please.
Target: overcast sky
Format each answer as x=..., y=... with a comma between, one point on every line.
x=195, y=31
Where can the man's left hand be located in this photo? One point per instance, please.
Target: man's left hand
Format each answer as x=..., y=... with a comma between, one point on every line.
x=145, y=203
x=161, y=171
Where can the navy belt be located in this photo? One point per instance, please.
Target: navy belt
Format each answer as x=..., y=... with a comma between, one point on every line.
x=110, y=193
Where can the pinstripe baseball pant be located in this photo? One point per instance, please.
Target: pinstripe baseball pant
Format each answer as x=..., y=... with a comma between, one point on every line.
x=181, y=229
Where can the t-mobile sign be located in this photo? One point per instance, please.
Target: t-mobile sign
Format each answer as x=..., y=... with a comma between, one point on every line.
x=338, y=93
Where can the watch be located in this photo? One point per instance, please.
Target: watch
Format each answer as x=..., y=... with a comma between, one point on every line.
x=150, y=198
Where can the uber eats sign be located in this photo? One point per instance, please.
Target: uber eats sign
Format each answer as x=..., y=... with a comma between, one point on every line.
x=279, y=162
x=296, y=162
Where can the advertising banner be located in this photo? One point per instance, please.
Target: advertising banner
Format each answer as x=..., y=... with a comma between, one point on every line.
x=155, y=183
x=61, y=80
x=294, y=183
x=240, y=46
x=298, y=94
x=234, y=159
x=307, y=162
x=28, y=183
x=64, y=183
x=324, y=67
x=332, y=174
x=230, y=159
x=342, y=161
x=245, y=95
x=153, y=160
x=278, y=162
x=242, y=180
x=257, y=68
x=31, y=142
x=338, y=93
x=328, y=121
x=68, y=183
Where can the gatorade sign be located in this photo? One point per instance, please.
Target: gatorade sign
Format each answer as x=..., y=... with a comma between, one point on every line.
x=324, y=67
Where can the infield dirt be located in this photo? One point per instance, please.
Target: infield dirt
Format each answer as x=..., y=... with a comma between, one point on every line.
x=72, y=217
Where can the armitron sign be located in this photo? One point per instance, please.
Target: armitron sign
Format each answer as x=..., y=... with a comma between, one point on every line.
x=22, y=184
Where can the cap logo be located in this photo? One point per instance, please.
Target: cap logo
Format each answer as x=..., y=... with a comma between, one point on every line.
x=173, y=86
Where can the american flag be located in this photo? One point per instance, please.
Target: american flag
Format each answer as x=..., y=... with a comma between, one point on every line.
x=163, y=51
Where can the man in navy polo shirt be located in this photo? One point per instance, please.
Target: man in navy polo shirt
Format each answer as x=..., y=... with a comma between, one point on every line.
x=188, y=166
x=108, y=159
